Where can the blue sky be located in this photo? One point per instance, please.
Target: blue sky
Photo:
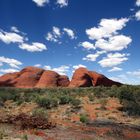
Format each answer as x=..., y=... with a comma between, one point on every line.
x=62, y=35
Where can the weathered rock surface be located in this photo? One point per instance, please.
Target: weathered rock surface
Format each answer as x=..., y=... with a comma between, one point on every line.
x=31, y=77
x=81, y=78
x=84, y=78
x=28, y=78
x=6, y=80
x=101, y=80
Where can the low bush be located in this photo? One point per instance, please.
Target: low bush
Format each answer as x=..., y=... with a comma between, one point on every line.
x=84, y=118
x=75, y=103
x=65, y=99
x=47, y=102
x=40, y=112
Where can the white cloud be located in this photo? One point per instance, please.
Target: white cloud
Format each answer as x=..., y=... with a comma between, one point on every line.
x=62, y=3
x=117, y=79
x=93, y=57
x=137, y=15
x=62, y=70
x=106, y=28
x=50, y=37
x=1, y=64
x=15, y=29
x=78, y=66
x=37, y=65
x=70, y=33
x=54, y=35
x=87, y=45
x=8, y=70
x=115, y=69
x=115, y=43
x=138, y=2
x=11, y=62
x=11, y=37
x=113, y=60
x=47, y=67
x=56, y=32
x=41, y=3
x=134, y=73
x=34, y=47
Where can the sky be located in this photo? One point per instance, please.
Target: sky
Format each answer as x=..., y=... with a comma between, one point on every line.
x=63, y=35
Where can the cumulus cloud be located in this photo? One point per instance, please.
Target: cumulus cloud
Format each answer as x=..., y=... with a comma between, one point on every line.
x=115, y=69
x=113, y=60
x=37, y=65
x=15, y=29
x=134, y=73
x=70, y=33
x=137, y=15
x=114, y=43
x=62, y=3
x=1, y=64
x=34, y=47
x=11, y=62
x=50, y=37
x=106, y=28
x=11, y=37
x=41, y=3
x=20, y=40
x=87, y=45
x=62, y=70
x=138, y=2
x=93, y=57
x=54, y=35
x=57, y=33
x=47, y=67
x=8, y=70
x=78, y=66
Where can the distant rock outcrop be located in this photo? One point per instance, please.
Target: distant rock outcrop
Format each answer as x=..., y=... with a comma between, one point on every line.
x=28, y=77
x=81, y=78
x=32, y=77
x=52, y=79
x=84, y=78
x=6, y=80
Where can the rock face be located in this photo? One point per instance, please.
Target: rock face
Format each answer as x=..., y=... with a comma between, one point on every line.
x=81, y=78
x=101, y=80
x=6, y=80
x=63, y=81
x=28, y=77
x=84, y=78
x=32, y=77
x=52, y=79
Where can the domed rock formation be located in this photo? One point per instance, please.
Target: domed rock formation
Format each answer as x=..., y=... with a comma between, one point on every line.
x=28, y=78
x=84, y=78
x=81, y=78
x=63, y=81
x=6, y=80
x=101, y=80
x=31, y=77
x=52, y=79
x=48, y=79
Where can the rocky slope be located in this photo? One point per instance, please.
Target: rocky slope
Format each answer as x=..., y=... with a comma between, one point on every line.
x=31, y=77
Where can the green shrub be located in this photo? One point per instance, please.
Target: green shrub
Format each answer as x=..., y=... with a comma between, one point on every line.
x=84, y=118
x=47, y=102
x=64, y=99
x=75, y=103
x=91, y=97
x=40, y=112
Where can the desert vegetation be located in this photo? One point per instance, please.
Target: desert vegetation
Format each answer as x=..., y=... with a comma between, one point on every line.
x=129, y=96
x=46, y=108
